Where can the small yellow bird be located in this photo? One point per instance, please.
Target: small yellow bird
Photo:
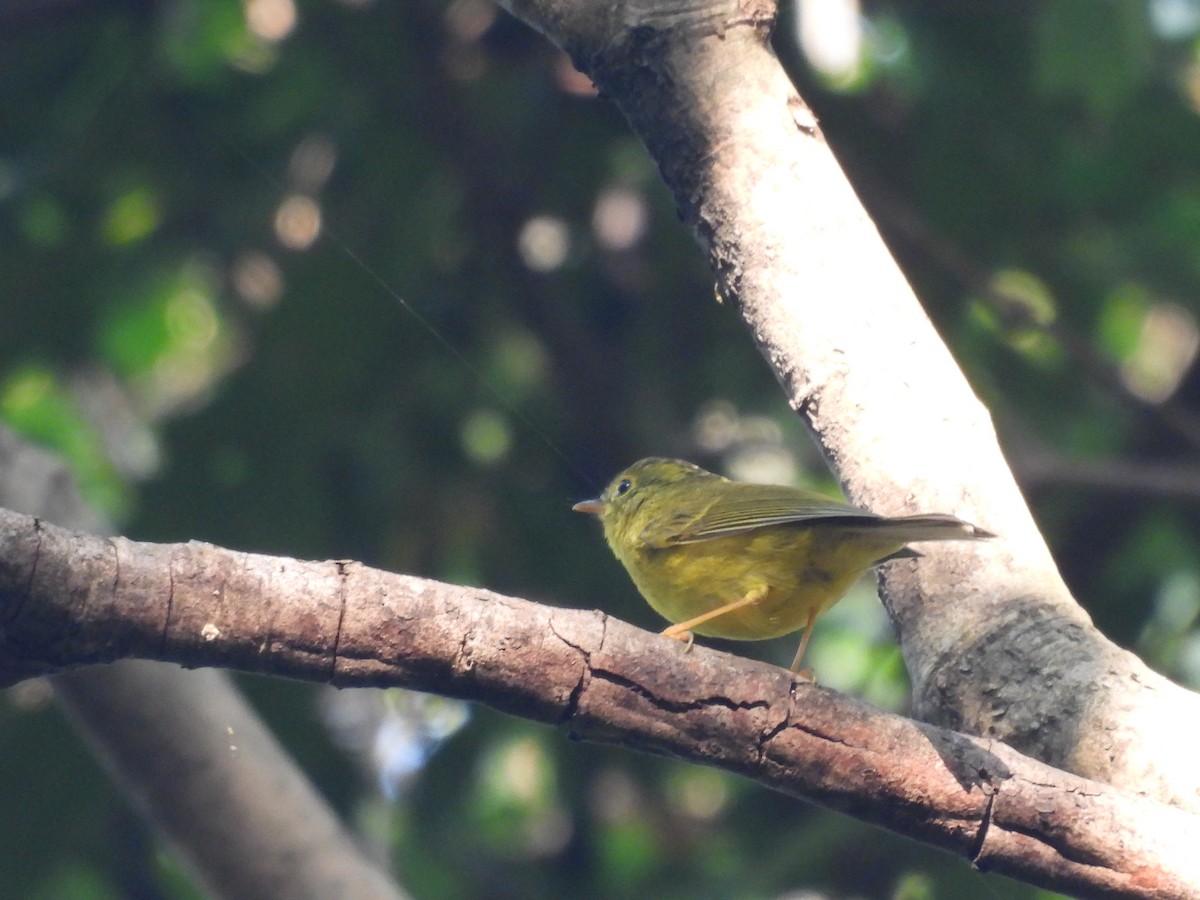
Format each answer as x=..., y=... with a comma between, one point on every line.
x=743, y=561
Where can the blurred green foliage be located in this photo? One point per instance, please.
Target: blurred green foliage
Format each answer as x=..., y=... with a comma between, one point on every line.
x=385, y=281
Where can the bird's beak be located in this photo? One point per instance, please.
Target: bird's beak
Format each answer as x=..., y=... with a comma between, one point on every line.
x=595, y=507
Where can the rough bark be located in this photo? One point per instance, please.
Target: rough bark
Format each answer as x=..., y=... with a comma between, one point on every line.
x=994, y=642
x=190, y=752
x=349, y=625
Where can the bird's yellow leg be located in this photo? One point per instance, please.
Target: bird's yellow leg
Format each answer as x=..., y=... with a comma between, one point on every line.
x=808, y=627
x=682, y=631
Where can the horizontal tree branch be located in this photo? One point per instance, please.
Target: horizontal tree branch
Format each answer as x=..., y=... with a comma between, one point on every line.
x=191, y=753
x=68, y=599
x=1039, y=468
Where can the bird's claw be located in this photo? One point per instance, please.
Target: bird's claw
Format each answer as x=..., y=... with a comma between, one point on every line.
x=681, y=635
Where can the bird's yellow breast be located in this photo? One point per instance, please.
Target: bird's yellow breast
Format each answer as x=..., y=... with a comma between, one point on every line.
x=801, y=569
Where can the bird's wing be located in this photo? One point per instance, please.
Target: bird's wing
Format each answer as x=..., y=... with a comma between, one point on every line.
x=743, y=507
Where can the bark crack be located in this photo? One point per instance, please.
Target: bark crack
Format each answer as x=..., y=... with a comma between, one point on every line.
x=769, y=735
x=12, y=614
x=343, y=577
x=166, y=632
x=462, y=659
x=116, y=552
x=976, y=852
x=571, y=707
x=678, y=706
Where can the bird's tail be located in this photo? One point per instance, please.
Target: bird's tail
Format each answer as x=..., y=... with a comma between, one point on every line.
x=932, y=527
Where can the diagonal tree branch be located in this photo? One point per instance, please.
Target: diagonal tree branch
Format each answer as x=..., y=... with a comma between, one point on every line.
x=992, y=638
x=197, y=761
x=68, y=598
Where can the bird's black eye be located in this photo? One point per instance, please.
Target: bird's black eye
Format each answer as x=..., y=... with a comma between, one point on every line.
x=623, y=487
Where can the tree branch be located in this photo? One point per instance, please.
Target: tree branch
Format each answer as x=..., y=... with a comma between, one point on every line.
x=190, y=752
x=349, y=625
x=198, y=762
x=992, y=638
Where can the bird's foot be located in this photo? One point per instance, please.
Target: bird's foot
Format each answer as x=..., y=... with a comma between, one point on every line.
x=680, y=634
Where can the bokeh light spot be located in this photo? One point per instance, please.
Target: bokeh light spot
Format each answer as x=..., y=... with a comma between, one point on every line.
x=312, y=162
x=298, y=222
x=257, y=280
x=619, y=219
x=544, y=243
x=486, y=437
x=270, y=20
